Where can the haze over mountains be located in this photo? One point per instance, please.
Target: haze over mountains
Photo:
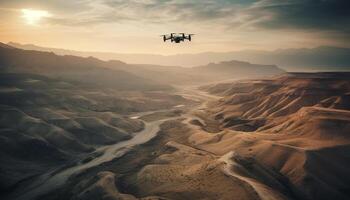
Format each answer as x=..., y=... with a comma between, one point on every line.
x=122, y=75
x=323, y=58
x=73, y=68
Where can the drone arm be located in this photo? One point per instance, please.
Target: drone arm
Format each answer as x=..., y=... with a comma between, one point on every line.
x=189, y=37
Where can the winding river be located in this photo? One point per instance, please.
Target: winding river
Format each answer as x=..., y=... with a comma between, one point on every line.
x=51, y=180
x=48, y=182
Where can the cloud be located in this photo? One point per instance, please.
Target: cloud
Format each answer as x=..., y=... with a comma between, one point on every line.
x=323, y=15
x=152, y=11
x=319, y=16
x=60, y=6
x=305, y=14
x=266, y=14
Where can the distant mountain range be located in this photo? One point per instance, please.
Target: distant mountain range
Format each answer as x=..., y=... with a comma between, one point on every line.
x=89, y=71
x=322, y=58
x=120, y=75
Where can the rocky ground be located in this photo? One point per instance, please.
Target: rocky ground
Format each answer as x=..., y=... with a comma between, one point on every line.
x=279, y=138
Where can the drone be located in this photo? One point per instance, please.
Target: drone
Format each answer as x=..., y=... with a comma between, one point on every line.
x=177, y=37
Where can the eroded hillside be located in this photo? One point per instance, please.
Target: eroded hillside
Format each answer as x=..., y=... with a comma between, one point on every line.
x=272, y=139
x=46, y=123
x=296, y=125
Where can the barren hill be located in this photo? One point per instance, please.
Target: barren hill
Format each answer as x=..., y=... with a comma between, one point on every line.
x=296, y=125
x=237, y=70
x=46, y=122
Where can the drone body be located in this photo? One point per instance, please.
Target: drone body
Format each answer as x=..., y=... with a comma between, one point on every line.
x=177, y=37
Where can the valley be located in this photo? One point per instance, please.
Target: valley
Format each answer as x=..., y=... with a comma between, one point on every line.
x=81, y=128
x=181, y=159
x=175, y=100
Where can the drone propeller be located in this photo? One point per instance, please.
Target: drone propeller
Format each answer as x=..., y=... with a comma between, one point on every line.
x=164, y=37
x=190, y=37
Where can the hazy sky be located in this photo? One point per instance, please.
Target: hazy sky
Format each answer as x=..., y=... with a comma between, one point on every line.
x=134, y=26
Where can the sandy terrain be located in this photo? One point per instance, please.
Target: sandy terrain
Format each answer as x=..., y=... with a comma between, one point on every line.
x=46, y=124
x=297, y=126
x=270, y=139
x=282, y=138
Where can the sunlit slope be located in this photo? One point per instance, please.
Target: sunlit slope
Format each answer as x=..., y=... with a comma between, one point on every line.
x=296, y=125
x=256, y=102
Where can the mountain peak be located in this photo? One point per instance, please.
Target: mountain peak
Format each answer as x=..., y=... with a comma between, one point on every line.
x=6, y=46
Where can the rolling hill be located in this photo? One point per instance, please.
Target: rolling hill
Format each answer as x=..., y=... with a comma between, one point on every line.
x=323, y=58
x=295, y=125
x=236, y=70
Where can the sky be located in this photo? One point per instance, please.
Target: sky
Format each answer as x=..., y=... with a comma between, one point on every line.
x=135, y=26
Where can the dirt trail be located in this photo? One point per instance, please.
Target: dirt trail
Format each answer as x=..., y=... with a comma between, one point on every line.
x=263, y=191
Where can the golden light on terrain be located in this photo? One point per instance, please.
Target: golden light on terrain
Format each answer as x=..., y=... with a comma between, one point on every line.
x=33, y=17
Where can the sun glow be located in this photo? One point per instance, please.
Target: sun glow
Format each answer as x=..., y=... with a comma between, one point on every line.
x=33, y=17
